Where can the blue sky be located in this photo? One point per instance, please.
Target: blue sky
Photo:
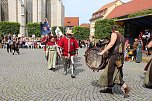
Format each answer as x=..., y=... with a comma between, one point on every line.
x=83, y=8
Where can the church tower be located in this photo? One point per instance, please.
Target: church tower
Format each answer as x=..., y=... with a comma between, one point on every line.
x=25, y=11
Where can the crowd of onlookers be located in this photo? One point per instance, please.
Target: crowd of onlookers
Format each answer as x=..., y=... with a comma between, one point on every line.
x=23, y=42
x=133, y=50
x=83, y=43
x=35, y=43
x=139, y=45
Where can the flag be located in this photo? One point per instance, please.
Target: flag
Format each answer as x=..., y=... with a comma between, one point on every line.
x=58, y=31
x=45, y=28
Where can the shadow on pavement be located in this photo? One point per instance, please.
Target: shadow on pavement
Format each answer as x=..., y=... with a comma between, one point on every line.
x=78, y=70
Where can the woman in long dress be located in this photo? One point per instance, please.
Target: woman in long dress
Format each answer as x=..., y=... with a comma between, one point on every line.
x=139, y=52
x=51, y=53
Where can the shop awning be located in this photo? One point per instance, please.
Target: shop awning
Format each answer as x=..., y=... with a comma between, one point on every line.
x=140, y=21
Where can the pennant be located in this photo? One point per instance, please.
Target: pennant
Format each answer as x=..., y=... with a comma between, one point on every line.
x=58, y=31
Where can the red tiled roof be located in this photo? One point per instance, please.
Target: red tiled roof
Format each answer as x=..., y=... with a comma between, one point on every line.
x=130, y=7
x=100, y=12
x=87, y=25
x=107, y=6
x=71, y=21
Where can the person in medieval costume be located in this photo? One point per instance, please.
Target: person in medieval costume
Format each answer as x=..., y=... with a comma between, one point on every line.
x=139, y=52
x=51, y=52
x=59, y=37
x=15, y=45
x=148, y=71
x=9, y=43
x=135, y=45
x=44, y=41
x=113, y=72
x=69, y=46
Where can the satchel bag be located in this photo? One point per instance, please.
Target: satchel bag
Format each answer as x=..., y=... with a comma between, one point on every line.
x=118, y=62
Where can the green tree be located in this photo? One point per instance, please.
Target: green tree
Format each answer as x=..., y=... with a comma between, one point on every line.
x=103, y=28
x=81, y=33
x=33, y=28
x=9, y=27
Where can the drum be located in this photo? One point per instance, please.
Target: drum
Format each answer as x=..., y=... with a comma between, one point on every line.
x=95, y=61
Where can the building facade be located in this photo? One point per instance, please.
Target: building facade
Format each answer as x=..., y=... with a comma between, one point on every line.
x=24, y=11
x=102, y=13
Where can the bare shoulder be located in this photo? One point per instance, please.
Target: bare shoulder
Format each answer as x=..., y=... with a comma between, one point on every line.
x=114, y=34
x=150, y=44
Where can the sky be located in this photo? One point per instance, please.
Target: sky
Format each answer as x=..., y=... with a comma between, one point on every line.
x=84, y=8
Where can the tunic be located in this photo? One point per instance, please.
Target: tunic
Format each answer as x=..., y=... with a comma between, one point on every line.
x=69, y=46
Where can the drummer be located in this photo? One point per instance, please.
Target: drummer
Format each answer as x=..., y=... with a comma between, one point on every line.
x=113, y=73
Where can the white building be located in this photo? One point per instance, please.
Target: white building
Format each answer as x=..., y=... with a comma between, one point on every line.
x=24, y=11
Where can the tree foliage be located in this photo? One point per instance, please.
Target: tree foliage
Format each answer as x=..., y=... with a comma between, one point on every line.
x=81, y=33
x=141, y=13
x=9, y=27
x=103, y=28
x=33, y=28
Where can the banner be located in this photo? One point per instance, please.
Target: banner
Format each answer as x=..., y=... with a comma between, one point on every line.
x=45, y=28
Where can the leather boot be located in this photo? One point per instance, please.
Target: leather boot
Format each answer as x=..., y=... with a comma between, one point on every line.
x=107, y=90
x=65, y=66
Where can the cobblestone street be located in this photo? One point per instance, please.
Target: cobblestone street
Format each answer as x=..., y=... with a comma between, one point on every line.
x=25, y=77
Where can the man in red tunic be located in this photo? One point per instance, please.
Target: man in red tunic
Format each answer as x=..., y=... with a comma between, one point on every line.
x=69, y=46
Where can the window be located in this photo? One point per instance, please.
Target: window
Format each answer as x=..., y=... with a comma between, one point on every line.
x=29, y=10
x=4, y=10
x=48, y=11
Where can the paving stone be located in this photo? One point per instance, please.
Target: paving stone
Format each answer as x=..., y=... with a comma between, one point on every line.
x=25, y=77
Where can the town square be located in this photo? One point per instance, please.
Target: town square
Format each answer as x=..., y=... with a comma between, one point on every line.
x=25, y=77
x=75, y=50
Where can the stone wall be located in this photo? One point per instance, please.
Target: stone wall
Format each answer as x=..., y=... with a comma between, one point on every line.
x=17, y=12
